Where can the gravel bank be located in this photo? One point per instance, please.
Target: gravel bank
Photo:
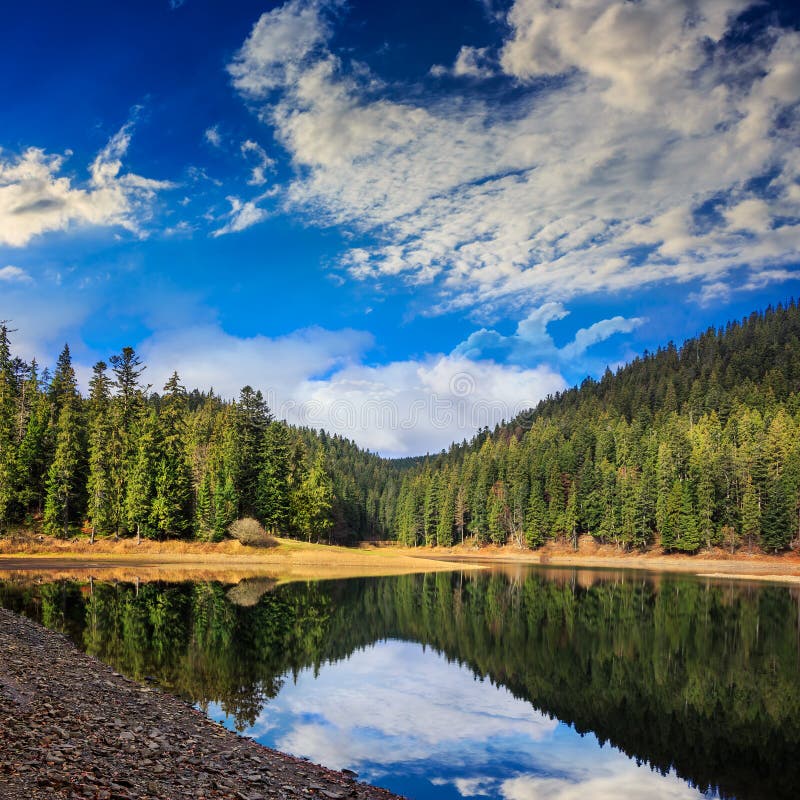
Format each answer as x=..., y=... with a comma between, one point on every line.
x=70, y=727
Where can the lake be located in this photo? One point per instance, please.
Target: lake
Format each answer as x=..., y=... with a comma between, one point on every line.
x=525, y=684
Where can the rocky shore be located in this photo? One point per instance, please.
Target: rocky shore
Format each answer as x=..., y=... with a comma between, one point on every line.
x=70, y=727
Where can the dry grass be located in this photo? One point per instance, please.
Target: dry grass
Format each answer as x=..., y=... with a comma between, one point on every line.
x=228, y=561
x=295, y=560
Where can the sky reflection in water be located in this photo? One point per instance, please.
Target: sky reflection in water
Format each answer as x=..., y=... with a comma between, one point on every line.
x=404, y=717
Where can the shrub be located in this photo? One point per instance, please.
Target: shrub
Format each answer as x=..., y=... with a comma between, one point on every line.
x=249, y=531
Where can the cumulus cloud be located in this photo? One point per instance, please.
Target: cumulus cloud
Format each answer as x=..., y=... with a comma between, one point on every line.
x=630, y=119
x=323, y=379
x=432, y=712
x=628, y=780
x=36, y=198
x=439, y=724
x=531, y=341
x=471, y=62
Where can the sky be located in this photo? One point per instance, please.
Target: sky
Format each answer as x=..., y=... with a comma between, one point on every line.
x=443, y=733
x=401, y=221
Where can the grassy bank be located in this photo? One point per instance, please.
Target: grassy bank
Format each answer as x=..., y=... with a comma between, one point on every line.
x=290, y=559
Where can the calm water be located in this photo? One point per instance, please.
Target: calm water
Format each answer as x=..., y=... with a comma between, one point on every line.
x=529, y=685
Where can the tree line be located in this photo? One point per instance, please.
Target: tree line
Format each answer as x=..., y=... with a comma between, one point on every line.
x=685, y=448
x=126, y=461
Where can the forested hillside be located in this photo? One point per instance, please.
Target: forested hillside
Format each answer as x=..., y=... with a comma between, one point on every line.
x=684, y=448
x=125, y=461
x=687, y=447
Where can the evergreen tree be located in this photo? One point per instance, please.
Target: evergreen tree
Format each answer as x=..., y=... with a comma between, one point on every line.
x=536, y=519
x=140, y=486
x=8, y=454
x=171, y=509
x=273, y=500
x=63, y=501
x=751, y=515
x=99, y=486
x=226, y=505
x=315, y=518
x=253, y=418
x=777, y=526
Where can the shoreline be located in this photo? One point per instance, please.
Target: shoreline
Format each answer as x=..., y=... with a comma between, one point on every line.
x=71, y=727
x=291, y=560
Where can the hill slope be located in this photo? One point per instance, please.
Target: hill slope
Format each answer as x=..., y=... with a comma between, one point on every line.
x=686, y=447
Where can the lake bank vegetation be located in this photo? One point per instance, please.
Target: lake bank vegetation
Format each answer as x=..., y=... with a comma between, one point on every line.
x=682, y=450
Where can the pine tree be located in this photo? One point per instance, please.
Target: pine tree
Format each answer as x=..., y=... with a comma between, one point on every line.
x=63, y=501
x=226, y=505
x=536, y=519
x=498, y=513
x=671, y=517
x=140, y=486
x=315, y=519
x=444, y=529
x=751, y=514
x=8, y=450
x=571, y=516
x=204, y=509
x=273, y=501
x=689, y=536
x=128, y=369
x=171, y=510
x=253, y=418
x=99, y=485
x=777, y=526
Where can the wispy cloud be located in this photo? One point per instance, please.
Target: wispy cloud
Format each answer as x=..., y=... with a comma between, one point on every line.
x=213, y=136
x=627, y=157
x=11, y=274
x=243, y=214
x=35, y=197
x=263, y=162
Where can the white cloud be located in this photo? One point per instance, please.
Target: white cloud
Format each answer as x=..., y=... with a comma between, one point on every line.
x=11, y=274
x=593, y=180
x=399, y=710
x=321, y=378
x=281, y=41
x=626, y=780
x=471, y=62
x=243, y=214
x=434, y=711
x=531, y=341
x=263, y=162
x=35, y=198
x=213, y=136
x=640, y=52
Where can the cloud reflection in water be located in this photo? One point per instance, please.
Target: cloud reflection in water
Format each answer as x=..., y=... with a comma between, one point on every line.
x=402, y=716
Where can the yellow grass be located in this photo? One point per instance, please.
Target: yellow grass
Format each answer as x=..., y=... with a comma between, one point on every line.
x=228, y=561
x=289, y=560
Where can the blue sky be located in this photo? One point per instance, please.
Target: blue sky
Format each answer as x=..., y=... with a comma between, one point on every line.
x=441, y=732
x=402, y=221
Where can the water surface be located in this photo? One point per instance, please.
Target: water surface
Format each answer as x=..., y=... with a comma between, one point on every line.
x=528, y=684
